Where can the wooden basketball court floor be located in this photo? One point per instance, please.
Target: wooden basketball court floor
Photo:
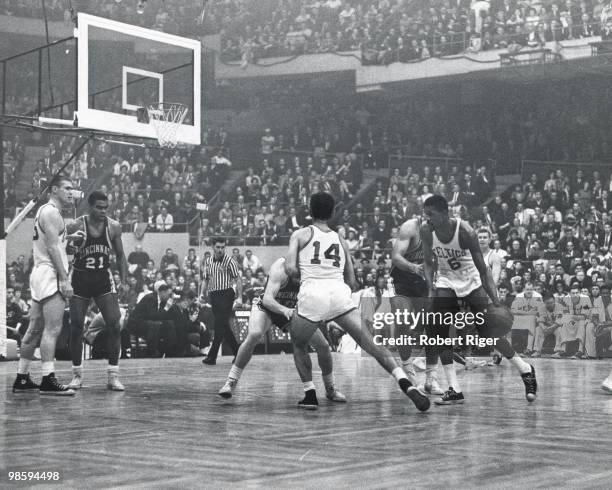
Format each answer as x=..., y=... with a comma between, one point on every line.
x=171, y=430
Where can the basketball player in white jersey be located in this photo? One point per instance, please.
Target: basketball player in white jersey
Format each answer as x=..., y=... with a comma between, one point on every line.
x=275, y=307
x=410, y=293
x=492, y=260
x=493, y=263
x=50, y=288
x=462, y=273
x=320, y=258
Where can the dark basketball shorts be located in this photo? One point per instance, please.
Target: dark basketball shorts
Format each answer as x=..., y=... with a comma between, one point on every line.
x=446, y=301
x=91, y=284
x=408, y=284
x=279, y=321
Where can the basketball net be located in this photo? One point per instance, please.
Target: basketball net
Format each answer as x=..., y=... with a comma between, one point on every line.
x=166, y=118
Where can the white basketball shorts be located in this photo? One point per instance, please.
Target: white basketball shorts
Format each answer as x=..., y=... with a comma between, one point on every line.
x=44, y=282
x=324, y=299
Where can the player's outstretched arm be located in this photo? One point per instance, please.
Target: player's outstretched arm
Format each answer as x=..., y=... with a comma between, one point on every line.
x=469, y=239
x=117, y=243
x=276, y=278
x=407, y=232
x=349, y=270
x=428, y=256
x=295, y=243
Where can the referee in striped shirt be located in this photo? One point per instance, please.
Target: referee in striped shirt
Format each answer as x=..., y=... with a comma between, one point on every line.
x=220, y=274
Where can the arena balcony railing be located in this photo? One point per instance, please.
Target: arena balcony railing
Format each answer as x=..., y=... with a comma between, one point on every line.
x=419, y=162
x=442, y=44
x=543, y=168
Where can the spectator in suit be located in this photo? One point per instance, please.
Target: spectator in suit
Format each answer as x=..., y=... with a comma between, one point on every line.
x=375, y=218
x=152, y=319
x=293, y=223
x=503, y=220
x=457, y=198
x=605, y=239
x=380, y=235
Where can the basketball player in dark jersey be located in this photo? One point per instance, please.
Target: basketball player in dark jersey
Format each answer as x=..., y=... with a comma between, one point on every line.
x=410, y=294
x=275, y=308
x=93, y=279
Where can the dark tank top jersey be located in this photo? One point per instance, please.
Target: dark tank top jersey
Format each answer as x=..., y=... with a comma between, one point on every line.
x=415, y=254
x=94, y=254
x=286, y=296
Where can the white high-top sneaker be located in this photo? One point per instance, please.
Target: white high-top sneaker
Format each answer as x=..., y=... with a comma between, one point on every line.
x=77, y=378
x=432, y=387
x=113, y=382
x=607, y=384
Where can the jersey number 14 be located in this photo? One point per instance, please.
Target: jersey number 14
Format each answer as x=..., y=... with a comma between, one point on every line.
x=332, y=253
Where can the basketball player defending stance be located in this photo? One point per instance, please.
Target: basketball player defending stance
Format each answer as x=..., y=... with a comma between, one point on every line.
x=92, y=278
x=275, y=308
x=320, y=258
x=410, y=294
x=461, y=273
x=50, y=287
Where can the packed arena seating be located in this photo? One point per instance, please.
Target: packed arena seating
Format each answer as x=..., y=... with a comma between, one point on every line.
x=332, y=145
x=385, y=31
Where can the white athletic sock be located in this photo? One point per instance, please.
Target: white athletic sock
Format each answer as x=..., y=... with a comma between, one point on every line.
x=431, y=372
x=451, y=377
x=309, y=385
x=77, y=370
x=328, y=381
x=112, y=369
x=47, y=368
x=23, y=366
x=520, y=364
x=398, y=373
x=235, y=373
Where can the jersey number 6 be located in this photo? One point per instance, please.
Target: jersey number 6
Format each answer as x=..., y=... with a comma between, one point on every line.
x=454, y=263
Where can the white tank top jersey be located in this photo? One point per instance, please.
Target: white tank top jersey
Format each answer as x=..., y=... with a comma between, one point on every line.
x=456, y=269
x=322, y=258
x=39, y=249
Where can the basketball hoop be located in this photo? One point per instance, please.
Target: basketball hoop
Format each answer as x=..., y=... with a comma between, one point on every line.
x=166, y=117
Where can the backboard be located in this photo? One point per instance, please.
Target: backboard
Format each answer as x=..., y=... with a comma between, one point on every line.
x=122, y=67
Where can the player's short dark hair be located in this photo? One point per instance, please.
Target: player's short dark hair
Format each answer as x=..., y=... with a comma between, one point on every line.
x=546, y=296
x=96, y=196
x=58, y=179
x=322, y=206
x=575, y=285
x=484, y=230
x=218, y=239
x=437, y=202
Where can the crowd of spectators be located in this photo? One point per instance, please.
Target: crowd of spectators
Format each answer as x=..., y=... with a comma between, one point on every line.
x=385, y=30
x=157, y=189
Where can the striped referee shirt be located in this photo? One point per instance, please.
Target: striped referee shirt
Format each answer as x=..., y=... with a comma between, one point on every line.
x=220, y=273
